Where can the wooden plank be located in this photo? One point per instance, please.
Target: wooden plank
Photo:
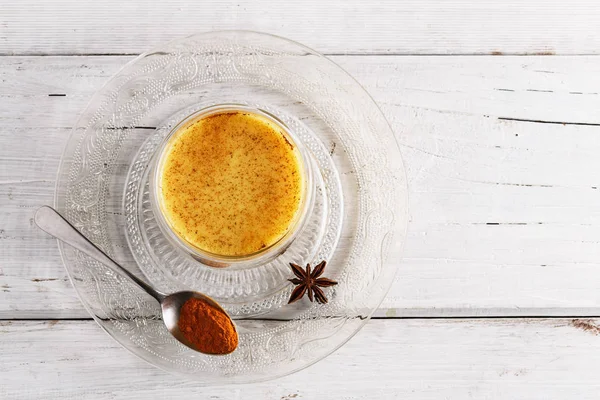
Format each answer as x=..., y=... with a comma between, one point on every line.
x=388, y=359
x=339, y=26
x=504, y=213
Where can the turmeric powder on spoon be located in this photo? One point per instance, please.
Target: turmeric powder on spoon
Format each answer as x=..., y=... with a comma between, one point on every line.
x=209, y=329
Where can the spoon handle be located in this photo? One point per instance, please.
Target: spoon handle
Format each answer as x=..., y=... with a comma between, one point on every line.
x=50, y=221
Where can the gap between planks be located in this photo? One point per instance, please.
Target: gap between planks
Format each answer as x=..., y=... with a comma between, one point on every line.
x=329, y=54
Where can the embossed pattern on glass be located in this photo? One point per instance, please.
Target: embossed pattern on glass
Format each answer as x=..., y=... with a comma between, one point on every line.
x=358, y=220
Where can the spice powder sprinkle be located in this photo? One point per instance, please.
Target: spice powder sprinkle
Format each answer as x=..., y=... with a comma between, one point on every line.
x=232, y=183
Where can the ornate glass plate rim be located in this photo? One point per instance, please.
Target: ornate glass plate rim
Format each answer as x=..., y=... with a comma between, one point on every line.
x=333, y=95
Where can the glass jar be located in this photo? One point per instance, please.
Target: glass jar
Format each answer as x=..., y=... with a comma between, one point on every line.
x=217, y=260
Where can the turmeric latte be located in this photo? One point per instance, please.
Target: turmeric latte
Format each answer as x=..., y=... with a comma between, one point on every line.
x=231, y=183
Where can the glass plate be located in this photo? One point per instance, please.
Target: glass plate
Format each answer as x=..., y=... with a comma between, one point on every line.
x=357, y=223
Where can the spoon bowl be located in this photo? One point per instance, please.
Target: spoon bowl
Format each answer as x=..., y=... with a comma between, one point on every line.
x=171, y=310
x=51, y=222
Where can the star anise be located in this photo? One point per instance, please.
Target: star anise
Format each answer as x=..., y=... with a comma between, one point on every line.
x=310, y=282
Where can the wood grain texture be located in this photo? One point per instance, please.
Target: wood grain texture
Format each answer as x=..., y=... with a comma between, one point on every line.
x=388, y=359
x=333, y=27
x=501, y=155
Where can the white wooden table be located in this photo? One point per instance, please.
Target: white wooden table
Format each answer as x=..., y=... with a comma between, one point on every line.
x=496, y=105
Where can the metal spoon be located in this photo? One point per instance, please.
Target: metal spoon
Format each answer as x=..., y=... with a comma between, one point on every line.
x=50, y=221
